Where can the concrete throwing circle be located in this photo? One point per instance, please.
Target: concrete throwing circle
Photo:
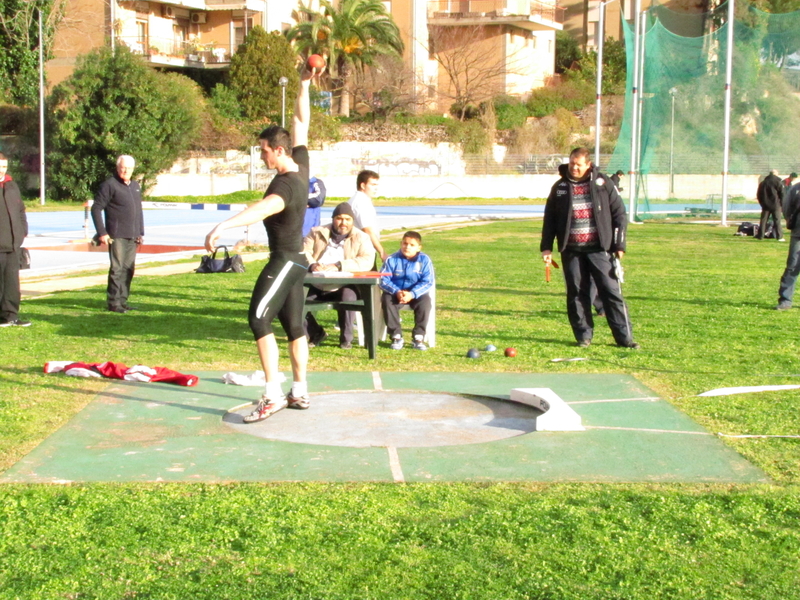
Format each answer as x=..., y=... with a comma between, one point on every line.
x=398, y=419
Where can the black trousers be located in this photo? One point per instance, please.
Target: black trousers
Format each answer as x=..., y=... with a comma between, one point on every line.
x=391, y=313
x=122, y=254
x=766, y=213
x=579, y=270
x=347, y=318
x=9, y=286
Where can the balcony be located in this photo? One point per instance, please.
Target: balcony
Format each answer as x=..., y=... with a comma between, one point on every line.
x=169, y=52
x=527, y=14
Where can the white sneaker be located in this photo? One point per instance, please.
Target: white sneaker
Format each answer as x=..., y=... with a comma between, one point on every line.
x=397, y=343
x=265, y=409
x=418, y=343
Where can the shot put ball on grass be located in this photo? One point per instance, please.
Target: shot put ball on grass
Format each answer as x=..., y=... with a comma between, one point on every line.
x=511, y=352
x=315, y=61
x=473, y=353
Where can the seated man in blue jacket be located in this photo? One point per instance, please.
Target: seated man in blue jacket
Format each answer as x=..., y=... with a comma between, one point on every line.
x=409, y=283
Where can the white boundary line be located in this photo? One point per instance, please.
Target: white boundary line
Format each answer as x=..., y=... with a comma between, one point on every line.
x=644, y=399
x=394, y=464
x=649, y=430
x=377, y=383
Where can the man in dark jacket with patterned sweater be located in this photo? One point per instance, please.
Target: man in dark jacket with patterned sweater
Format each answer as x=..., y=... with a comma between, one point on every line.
x=585, y=214
x=120, y=199
x=13, y=229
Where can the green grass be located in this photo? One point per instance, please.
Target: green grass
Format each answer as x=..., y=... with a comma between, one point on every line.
x=701, y=302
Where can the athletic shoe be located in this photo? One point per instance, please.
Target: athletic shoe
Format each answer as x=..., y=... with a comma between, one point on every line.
x=632, y=345
x=783, y=306
x=118, y=309
x=265, y=409
x=397, y=343
x=317, y=339
x=129, y=307
x=782, y=240
x=298, y=402
x=15, y=323
x=346, y=345
x=418, y=344
x=584, y=343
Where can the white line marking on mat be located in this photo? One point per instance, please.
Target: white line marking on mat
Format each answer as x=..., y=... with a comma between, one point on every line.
x=649, y=430
x=394, y=463
x=376, y=380
x=645, y=399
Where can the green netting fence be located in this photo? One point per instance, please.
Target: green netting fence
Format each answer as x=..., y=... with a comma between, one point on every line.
x=682, y=103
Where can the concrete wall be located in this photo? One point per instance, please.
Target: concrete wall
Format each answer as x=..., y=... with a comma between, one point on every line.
x=411, y=169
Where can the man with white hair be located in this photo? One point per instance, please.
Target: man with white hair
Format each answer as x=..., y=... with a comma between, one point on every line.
x=119, y=199
x=770, y=197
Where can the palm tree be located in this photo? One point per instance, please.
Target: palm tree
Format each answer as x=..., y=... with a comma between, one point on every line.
x=351, y=36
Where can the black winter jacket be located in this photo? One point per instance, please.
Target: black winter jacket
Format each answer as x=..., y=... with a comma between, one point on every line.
x=122, y=205
x=609, y=213
x=770, y=192
x=13, y=222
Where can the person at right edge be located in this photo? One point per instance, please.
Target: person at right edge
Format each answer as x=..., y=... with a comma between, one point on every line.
x=789, y=278
x=770, y=198
x=585, y=214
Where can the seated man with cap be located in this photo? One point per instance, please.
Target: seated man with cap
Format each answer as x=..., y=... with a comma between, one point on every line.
x=339, y=246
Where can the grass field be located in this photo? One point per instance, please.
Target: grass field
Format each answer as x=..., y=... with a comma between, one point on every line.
x=701, y=301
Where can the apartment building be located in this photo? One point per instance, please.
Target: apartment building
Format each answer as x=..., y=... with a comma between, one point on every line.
x=178, y=34
x=512, y=40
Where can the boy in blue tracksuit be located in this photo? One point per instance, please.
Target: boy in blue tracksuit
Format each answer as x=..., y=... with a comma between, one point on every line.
x=409, y=283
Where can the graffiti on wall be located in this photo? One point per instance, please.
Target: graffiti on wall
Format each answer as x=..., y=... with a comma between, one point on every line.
x=407, y=167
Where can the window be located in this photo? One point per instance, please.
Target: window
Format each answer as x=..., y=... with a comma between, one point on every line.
x=241, y=27
x=388, y=6
x=142, y=45
x=180, y=33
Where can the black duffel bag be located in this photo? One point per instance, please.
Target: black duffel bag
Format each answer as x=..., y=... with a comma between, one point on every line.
x=229, y=264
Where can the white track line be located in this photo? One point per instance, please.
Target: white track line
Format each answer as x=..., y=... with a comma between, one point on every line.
x=394, y=463
x=376, y=380
x=645, y=399
x=649, y=430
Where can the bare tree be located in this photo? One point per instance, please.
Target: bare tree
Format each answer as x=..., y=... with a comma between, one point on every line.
x=385, y=88
x=474, y=68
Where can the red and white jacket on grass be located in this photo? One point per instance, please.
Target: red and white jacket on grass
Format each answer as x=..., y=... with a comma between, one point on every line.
x=112, y=370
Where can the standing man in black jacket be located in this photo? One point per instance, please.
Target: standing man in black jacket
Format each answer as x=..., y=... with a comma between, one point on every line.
x=770, y=197
x=120, y=199
x=13, y=229
x=585, y=214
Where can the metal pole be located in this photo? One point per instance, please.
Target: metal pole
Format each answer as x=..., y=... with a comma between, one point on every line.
x=672, y=93
x=601, y=39
x=642, y=52
x=726, y=149
x=112, y=11
x=283, y=81
x=41, y=112
x=634, y=114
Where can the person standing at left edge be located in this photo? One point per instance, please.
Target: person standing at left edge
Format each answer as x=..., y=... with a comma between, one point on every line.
x=13, y=229
x=585, y=214
x=281, y=209
x=120, y=200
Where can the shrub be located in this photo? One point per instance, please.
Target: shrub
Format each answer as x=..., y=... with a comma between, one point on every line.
x=472, y=136
x=571, y=95
x=115, y=104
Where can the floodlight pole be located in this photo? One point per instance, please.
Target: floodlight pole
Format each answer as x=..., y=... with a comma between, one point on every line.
x=642, y=53
x=672, y=93
x=41, y=112
x=283, y=81
x=599, y=97
x=726, y=149
x=634, y=115
x=112, y=5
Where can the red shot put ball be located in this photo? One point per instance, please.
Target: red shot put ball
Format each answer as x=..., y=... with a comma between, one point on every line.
x=511, y=352
x=315, y=61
